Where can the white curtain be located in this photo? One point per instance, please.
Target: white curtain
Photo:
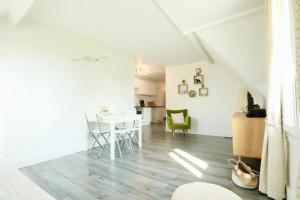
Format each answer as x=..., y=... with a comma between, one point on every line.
x=298, y=186
x=273, y=164
x=296, y=17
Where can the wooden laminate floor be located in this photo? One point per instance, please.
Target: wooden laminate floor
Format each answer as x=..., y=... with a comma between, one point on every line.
x=146, y=174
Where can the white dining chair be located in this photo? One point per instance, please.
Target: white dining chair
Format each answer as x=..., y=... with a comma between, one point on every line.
x=122, y=139
x=130, y=129
x=96, y=134
x=122, y=135
x=132, y=134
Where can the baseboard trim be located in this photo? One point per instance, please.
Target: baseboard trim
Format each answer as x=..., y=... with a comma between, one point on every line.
x=218, y=134
x=35, y=159
x=209, y=133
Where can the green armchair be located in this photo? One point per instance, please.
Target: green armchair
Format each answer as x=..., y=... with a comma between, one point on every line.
x=184, y=126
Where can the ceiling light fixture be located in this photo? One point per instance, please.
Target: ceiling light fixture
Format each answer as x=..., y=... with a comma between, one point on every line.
x=140, y=71
x=90, y=59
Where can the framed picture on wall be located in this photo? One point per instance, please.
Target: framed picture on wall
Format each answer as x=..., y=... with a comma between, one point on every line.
x=192, y=93
x=183, y=88
x=203, y=91
x=198, y=79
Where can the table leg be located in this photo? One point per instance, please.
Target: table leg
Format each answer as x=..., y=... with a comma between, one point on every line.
x=140, y=134
x=112, y=141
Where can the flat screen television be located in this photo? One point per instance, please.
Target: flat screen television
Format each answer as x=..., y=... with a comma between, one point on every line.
x=250, y=101
x=254, y=110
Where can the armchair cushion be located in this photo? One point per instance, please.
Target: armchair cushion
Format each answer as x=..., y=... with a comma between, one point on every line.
x=176, y=126
x=177, y=118
x=184, y=111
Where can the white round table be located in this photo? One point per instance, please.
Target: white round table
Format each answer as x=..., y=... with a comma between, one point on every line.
x=203, y=191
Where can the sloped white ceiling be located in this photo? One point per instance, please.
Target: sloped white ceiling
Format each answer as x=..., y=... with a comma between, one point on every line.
x=157, y=32
x=236, y=43
x=4, y=5
x=190, y=14
x=135, y=28
x=240, y=46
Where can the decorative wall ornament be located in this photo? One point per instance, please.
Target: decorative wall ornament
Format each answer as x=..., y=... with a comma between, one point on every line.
x=192, y=93
x=183, y=88
x=198, y=71
x=89, y=59
x=198, y=78
x=203, y=91
x=140, y=71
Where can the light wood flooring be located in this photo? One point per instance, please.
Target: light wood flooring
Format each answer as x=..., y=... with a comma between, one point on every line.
x=148, y=174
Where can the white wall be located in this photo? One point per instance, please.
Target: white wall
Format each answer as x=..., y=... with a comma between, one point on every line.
x=44, y=93
x=211, y=115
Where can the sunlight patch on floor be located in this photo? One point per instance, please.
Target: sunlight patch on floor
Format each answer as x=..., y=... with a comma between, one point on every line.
x=186, y=165
x=196, y=161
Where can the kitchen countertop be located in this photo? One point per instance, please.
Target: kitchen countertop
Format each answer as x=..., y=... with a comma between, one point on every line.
x=149, y=106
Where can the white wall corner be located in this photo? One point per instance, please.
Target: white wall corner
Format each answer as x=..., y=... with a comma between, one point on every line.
x=217, y=133
x=38, y=158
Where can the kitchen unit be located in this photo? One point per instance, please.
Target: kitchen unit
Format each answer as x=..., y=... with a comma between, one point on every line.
x=158, y=114
x=154, y=114
x=149, y=100
x=146, y=113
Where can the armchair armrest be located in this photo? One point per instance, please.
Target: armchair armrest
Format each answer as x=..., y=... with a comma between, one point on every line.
x=169, y=121
x=187, y=120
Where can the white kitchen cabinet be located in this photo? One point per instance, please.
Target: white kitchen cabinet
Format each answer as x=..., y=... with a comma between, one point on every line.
x=147, y=116
x=145, y=87
x=158, y=114
x=146, y=113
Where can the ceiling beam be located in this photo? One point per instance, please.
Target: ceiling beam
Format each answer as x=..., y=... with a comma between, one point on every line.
x=191, y=38
x=226, y=19
x=19, y=10
x=196, y=42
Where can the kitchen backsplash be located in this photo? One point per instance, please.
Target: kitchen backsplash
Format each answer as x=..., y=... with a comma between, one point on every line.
x=145, y=98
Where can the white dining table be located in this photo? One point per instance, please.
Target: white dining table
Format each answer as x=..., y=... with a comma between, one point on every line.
x=113, y=120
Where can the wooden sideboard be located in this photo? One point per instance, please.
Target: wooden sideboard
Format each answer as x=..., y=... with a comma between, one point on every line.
x=248, y=135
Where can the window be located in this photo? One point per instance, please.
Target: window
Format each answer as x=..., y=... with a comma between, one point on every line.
x=288, y=71
x=296, y=47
